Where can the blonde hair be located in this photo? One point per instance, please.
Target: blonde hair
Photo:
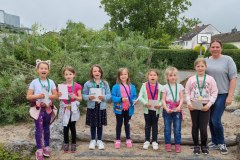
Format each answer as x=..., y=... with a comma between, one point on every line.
x=198, y=60
x=169, y=70
x=151, y=70
x=120, y=70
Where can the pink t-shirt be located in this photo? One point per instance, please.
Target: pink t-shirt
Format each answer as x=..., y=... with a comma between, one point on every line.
x=152, y=86
x=125, y=105
x=77, y=87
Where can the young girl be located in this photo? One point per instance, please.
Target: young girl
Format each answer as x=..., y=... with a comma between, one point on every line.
x=69, y=111
x=123, y=95
x=150, y=97
x=172, y=99
x=201, y=90
x=42, y=91
x=96, y=92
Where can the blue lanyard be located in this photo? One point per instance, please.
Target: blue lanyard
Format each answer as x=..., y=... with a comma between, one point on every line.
x=128, y=94
x=155, y=90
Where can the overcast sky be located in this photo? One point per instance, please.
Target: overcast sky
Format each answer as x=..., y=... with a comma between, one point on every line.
x=53, y=14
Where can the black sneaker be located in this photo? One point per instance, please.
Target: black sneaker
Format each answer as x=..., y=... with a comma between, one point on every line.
x=223, y=149
x=66, y=147
x=204, y=150
x=196, y=150
x=213, y=146
x=73, y=148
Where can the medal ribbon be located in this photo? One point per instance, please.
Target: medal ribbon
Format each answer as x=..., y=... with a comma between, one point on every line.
x=174, y=97
x=203, y=84
x=69, y=98
x=43, y=85
x=128, y=94
x=155, y=90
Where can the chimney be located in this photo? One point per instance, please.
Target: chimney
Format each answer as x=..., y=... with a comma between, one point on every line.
x=234, y=30
x=196, y=28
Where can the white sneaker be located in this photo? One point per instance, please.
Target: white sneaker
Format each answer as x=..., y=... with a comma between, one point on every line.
x=92, y=144
x=155, y=145
x=100, y=144
x=146, y=145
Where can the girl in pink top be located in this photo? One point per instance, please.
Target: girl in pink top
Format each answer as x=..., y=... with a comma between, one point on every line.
x=201, y=92
x=69, y=111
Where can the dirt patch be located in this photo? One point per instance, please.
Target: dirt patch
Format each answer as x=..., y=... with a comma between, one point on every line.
x=230, y=122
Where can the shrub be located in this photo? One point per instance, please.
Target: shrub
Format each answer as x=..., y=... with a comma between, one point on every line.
x=197, y=49
x=6, y=155
x=229, y=46
x=181, y=59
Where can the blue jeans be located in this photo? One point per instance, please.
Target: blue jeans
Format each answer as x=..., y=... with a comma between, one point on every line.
x=176, y=119
x=215, y=123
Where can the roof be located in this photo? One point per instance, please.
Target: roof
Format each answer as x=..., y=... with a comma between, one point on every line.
x=228, y=37
x=193, y=33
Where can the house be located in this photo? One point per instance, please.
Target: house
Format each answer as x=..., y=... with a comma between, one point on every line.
x=232, y=37
x=189, y=40
x=9, y=20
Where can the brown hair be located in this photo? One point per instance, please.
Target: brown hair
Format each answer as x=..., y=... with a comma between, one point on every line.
x=68, y=68
x=43, y=62
x=100, y=70
x=169, y=70
x=151, y=70
x=216, y=40
x=120, y=70
x=198, y=60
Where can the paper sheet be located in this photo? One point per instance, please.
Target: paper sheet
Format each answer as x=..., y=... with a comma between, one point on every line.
x=46, y=99
x=64, y=90
x=153, y=103
x=95, y=92
x=197, y=105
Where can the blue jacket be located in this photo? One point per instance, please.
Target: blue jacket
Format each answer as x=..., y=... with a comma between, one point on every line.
x=105, y=92
x=117, y=99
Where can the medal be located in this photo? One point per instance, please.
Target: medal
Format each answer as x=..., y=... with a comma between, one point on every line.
x=200, y=88
x=69, y=107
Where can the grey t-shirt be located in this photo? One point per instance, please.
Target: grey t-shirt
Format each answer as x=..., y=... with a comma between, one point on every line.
x=222, y=70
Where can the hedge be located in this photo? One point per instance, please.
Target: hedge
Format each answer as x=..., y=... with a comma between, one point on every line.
x=234, y=53
x=181, y=59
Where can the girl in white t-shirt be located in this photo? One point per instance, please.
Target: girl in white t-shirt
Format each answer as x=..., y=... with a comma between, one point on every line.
x=41, y=92
x=172, y=100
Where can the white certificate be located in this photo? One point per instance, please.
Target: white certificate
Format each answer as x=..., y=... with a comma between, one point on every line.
x=64, y=90
x=153, y=103
x=46, y=99
x=95, y=92
x=197, y=105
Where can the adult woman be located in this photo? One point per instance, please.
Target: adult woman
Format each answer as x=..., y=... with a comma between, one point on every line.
x=223, y=69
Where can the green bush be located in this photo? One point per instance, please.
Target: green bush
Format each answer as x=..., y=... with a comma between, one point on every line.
x=229, y=46
x=6, y=155
x=181, y=59
x=197, y=49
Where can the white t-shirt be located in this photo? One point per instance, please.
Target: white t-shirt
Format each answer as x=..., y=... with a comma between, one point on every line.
x=168, y=93
x=37, y=88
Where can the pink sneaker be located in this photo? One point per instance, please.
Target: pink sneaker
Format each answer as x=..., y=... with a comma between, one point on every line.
x=168, y=147
x=177, y=148
x=117, y=144
x=46, y=151
x=129, y=143
x=39, y=154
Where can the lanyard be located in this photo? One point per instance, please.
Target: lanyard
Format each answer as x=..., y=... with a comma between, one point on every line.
x=95, y=86
x=128, y=94
x=174, y=98
x=155, y=90
x=43, y=85
x=69, y=98
x=203, y=84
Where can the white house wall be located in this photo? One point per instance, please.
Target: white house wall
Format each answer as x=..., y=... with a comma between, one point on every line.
x=1, y=16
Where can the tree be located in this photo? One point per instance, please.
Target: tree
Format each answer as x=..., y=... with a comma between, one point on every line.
x=154, y=18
